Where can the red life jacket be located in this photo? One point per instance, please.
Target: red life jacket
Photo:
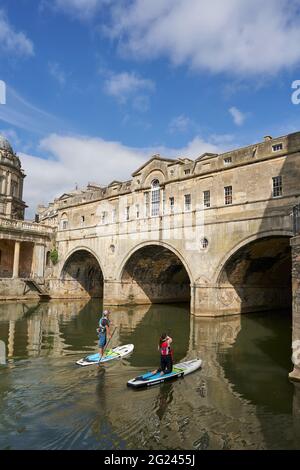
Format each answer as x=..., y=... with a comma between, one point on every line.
x=164, y=348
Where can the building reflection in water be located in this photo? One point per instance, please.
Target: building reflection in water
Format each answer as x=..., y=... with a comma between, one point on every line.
x=205, y=410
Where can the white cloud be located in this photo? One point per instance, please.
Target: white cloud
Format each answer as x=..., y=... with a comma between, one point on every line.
x=123, y=85
x=180, y=124
x=12, y=41
x=237, y=115
x=233, y=36
x=82, y=9
x=79, y=159
x=57, y=72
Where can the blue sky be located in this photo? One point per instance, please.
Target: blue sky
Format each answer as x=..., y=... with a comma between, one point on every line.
x=95, y=87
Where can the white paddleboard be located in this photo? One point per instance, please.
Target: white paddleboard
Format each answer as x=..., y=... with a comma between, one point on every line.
x=179, y=370
x=109, y=355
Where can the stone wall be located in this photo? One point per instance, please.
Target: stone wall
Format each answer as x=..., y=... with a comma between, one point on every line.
x=295, y=243
x=11, y=289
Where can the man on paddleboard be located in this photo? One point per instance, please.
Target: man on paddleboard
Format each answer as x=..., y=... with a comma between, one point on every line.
x=103, y=331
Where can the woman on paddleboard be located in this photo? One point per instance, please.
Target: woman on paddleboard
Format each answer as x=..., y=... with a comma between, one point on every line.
x=166, y=354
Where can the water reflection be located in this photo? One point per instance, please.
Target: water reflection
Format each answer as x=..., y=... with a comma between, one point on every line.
x=240, y=400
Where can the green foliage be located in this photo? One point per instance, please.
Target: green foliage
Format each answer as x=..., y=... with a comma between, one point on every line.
x=54, y=256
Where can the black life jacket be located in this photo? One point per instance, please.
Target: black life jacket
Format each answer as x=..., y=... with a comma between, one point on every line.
x=102, y=329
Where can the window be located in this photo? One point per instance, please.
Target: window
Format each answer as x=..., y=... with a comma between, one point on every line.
x=127, y=213
x=206, y=198
x=155, y=198
x=82, y=219
x=227, y=160
x=204, y=243
x=146, y=202
x=104, y=217
x=64, y=222
x=187, y=172
x=14, y=189
x=277, y=147
x=137, y=211
x=113, y=215
x=277, y=186
x=172, y=203
x=228, y=195
x=187, y=202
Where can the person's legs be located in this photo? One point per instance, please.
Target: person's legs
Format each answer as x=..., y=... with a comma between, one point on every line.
x=102, y=343
x=169, y=365
x=164, y=364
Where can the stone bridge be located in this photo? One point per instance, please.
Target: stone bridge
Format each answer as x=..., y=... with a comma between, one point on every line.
x=214, y=232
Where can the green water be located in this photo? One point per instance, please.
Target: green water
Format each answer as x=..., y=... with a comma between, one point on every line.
x=241, y=399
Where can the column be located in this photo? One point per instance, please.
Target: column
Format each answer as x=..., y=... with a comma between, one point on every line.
x=38, y=264
x=8, y=186
x=16, y=260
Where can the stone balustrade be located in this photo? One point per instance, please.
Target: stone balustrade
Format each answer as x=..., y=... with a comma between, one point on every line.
x=25, y=225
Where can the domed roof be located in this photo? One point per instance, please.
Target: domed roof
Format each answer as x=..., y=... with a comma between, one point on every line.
x=7, y=155
x=5, y=145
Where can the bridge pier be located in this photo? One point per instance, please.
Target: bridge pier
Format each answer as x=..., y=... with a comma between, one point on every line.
x=132, y=293
x=222, y=300
x=295, y=244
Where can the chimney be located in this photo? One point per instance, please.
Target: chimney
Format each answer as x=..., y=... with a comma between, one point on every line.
x=267, y=138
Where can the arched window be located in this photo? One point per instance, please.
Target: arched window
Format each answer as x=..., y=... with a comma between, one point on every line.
x=155, y=198
x=64, y=222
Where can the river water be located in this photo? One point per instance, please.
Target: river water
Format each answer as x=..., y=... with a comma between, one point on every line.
x=241, y=399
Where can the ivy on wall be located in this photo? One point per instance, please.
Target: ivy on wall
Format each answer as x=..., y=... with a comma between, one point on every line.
x=54, y=256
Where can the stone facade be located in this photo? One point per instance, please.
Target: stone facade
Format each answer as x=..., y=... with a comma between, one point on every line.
x=295, y=374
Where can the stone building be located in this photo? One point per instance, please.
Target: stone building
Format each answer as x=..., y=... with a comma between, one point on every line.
x=23, y=244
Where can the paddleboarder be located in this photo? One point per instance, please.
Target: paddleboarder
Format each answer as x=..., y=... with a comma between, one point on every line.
x=166, y=355
x=103, y=331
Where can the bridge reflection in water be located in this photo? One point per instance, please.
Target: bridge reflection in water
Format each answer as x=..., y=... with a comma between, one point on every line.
x=241, y=399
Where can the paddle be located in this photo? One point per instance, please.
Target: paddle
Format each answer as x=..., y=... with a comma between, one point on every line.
x=107, y=345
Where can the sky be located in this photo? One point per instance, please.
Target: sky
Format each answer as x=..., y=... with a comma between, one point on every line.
x=94, y=88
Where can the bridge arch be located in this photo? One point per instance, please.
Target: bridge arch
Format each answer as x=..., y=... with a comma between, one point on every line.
x=246, y=241
x=256, y=273
x=154, y=272
x=82, y=274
